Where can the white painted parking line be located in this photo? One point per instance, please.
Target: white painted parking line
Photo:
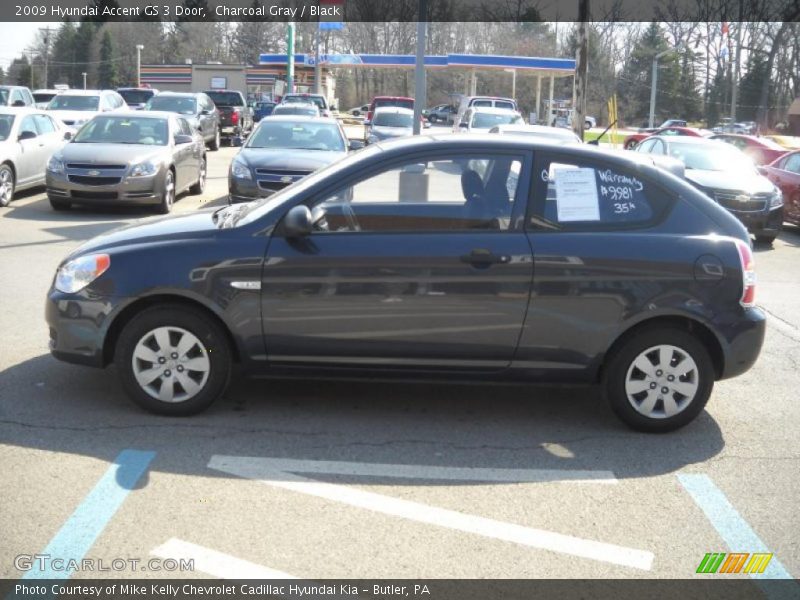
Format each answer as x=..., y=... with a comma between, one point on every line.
x=216, y=563
x=427, y=472
x=270, y=472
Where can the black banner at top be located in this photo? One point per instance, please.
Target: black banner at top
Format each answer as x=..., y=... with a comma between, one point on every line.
x=398, y=10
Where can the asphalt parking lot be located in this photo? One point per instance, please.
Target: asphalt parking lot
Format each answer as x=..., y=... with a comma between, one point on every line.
x=382, y=480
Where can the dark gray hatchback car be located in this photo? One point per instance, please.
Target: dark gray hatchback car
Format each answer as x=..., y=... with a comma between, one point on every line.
x=461, y=257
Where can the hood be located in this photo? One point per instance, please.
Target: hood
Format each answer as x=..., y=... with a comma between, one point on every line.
x=73, y=115
x=752, y=183
x=293, y=160
x=110, y=153
x=391, y=132
x=152, y=230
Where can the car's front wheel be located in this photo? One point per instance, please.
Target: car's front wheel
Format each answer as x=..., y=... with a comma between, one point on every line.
x=659, y=380
x=215, y=143
x=200, y=184
x=167, y=193
x=173, y=360
x=6, y=185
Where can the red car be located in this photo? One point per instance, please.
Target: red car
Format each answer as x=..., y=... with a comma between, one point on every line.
x=634, y=140
x=379, y=101
x=785, y=173
x=763, y=151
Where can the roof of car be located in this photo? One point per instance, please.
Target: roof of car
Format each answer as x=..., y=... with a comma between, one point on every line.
x=302, y=118
x=394, y=109
x=20, y=110
x=687, y=139
x=145, y=114
x=84, y=92
x=179, y=94
x=494, y=110
x=392, y=98
x=543, y=129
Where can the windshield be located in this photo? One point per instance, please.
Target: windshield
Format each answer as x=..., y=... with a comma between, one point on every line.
x=67, y=102
x=176, y=104
x=6, y=121
x=124, y=130
x=242, y=214
x=136, y=96
x=707, y=157
x=390, y=119
x=43, y=96
x=296, y=109
x=400, y=103
x=297, y=136
x=483, y=120
x=226, y=98
x=318, y=100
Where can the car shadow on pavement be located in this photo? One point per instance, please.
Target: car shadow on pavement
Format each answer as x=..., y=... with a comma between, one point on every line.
x=56, y=407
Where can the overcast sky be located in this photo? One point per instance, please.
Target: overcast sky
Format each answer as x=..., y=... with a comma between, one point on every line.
x=15, y=37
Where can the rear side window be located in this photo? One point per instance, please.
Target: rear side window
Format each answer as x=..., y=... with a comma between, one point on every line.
x=596, y=197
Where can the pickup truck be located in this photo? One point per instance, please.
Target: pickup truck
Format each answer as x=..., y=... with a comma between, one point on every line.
x=235, y=116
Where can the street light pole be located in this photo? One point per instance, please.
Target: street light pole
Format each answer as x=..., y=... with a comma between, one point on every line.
x=654, y=83
x=419, y=72
x=139, y=49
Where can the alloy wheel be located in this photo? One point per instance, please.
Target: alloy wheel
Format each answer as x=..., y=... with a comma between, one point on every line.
x=6, y=186
x=170, y=364
x=662, y=381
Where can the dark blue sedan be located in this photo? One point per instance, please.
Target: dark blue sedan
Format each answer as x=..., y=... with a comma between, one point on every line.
x=456, y=257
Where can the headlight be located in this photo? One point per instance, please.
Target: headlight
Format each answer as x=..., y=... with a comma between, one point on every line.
x=777, y=199
x=240, y=170
x=144, y=169
x=76, y=274
x=55, y=165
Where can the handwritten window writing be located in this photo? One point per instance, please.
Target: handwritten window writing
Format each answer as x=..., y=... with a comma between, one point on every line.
x=580, y=194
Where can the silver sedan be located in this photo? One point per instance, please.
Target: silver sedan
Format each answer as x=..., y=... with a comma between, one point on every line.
x=28, y=137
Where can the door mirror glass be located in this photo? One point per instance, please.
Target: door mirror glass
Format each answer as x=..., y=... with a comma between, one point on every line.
x=355, y=145
x=26, y=135
x=67, y=135
x=463, y=125
x=298, y=221
x=181, y=138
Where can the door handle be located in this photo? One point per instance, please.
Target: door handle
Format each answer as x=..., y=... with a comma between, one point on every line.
x=484, y=258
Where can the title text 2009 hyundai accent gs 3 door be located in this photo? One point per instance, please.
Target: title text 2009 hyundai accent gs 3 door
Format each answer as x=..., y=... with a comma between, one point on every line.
x=457, y=257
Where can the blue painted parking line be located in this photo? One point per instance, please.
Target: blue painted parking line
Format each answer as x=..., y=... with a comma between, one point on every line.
x=730, y=525
x=81, y=530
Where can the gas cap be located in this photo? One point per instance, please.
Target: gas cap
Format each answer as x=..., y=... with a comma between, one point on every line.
x=708, y=268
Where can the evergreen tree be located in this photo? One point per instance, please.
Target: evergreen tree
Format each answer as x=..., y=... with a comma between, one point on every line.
x=62, y=69
x=84, y=38
x=108, y=75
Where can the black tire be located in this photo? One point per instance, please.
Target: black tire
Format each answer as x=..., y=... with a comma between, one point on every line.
x=214, y=144
x=7, y=184
x=214, y=345
x=59, y=204
x=631, y=145
x=766, y=239
x=616, y=375
x=199, y=187
x=167, y=194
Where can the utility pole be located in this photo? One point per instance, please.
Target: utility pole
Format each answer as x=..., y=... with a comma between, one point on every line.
x=290, y=58
x=84, y=79
x=317, y=69
x=47, y=31
x=735, y=76
x=419, y=71
x=654, y=83
x=581, y=69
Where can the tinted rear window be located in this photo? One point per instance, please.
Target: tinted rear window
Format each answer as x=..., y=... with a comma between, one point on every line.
x=136, y=96
x=401, y=103
x=226, y=98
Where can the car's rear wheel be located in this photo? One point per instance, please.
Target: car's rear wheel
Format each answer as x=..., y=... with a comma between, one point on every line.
x=631, y=144
x=6, y=185
x=659, y=380
x=766, y=238
x=59, y=204
x=200, y=186
x=167, y=194
x=173, y=360
x=214, y=145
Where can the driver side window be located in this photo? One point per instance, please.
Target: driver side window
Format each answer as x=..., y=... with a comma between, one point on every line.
x=439, y=194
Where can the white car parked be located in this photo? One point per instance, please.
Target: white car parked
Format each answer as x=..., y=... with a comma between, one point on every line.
x=482, y=119
x=76, y=107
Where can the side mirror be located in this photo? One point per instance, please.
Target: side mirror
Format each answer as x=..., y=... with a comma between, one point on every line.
x=367, y=122
x=463, y=126
x=355, y=145
x=26, y=135
x=205, y=112
x=181, y=138
x=298, y=221
x=595, y=142
x=67, y=135
x=426, y=124
x=761, y=169
x=18, y=103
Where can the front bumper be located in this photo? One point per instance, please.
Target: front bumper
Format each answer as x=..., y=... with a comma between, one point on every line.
x=761, y=222
x=78, y=325
x=129, y=190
